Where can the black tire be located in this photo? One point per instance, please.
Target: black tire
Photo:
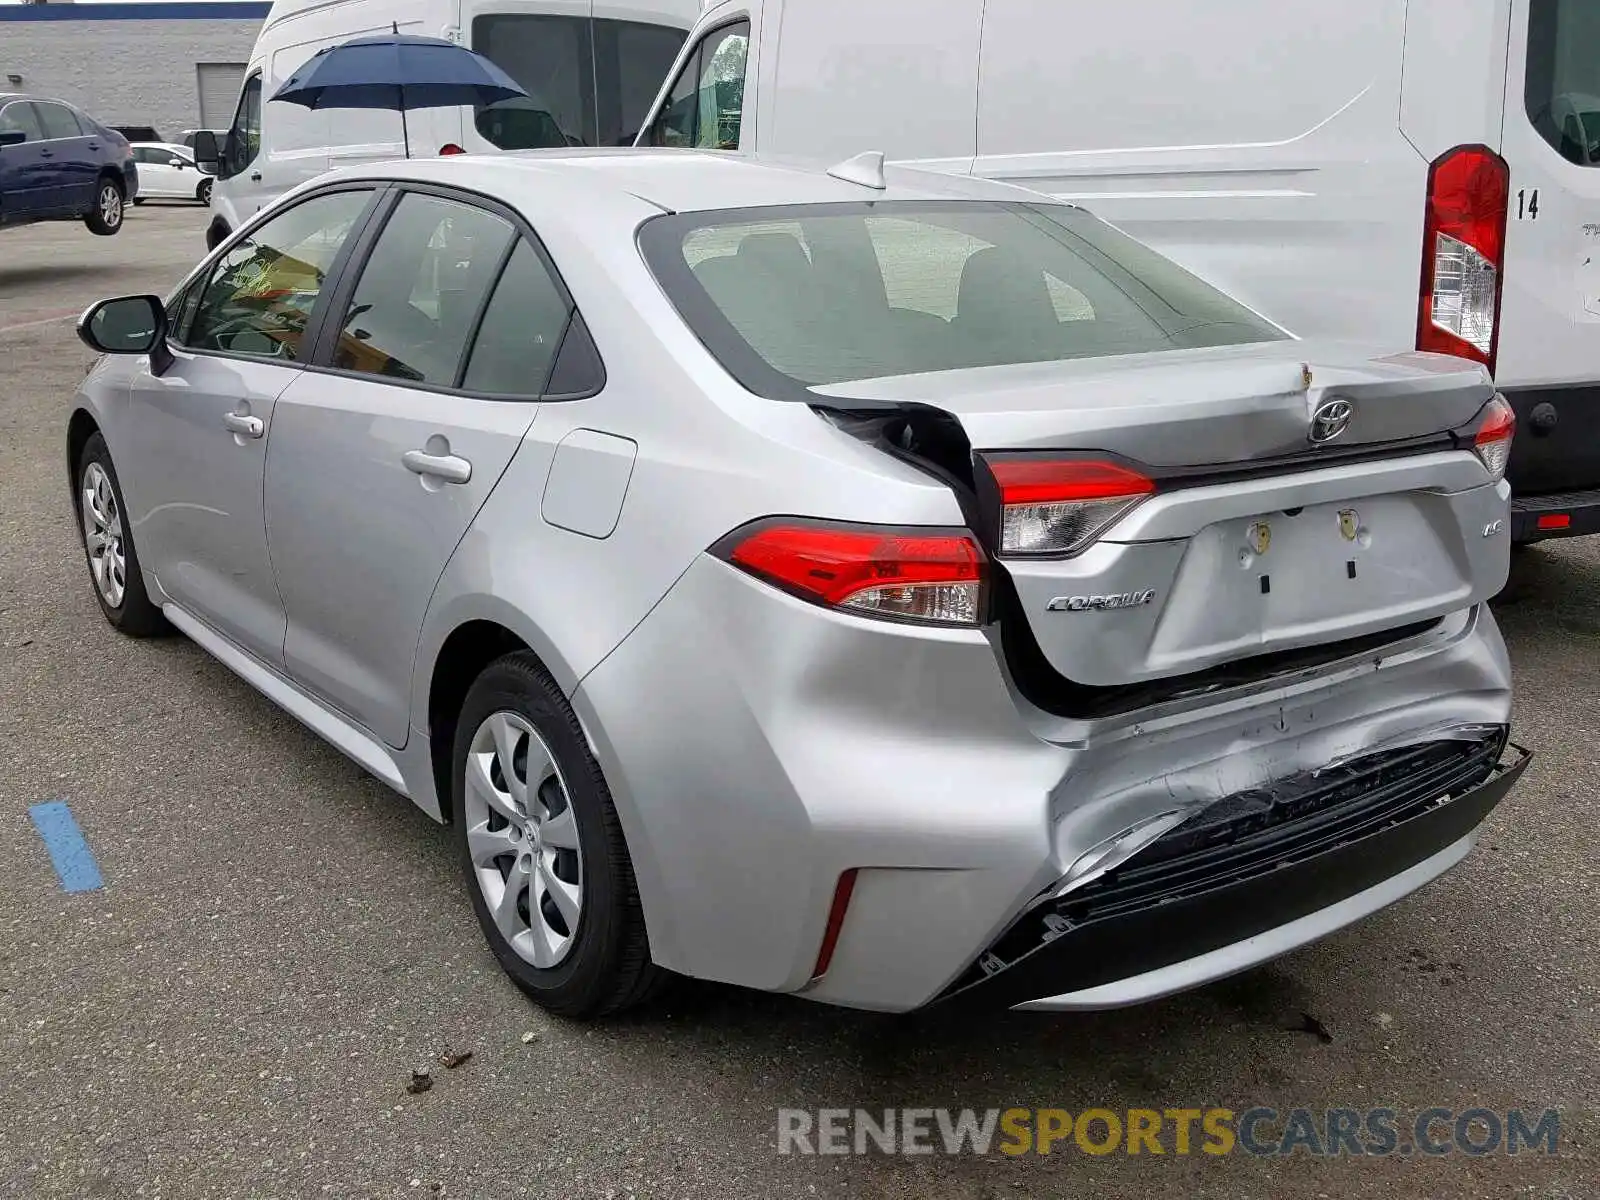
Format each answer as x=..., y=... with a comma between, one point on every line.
x=203, y=192
x=134, y=615
x=608, y=967
x=105, y=218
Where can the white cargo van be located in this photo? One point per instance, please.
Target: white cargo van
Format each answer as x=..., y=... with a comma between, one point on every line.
x=591, y=68
x=1402, y=170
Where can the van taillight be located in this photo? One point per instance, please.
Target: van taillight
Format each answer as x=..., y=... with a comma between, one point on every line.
x=1463, y=254
x=450, y=148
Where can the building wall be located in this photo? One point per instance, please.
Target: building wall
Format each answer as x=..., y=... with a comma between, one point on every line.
x=124, y=64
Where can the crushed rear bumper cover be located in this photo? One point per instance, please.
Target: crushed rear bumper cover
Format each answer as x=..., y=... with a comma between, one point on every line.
x=1252, y=876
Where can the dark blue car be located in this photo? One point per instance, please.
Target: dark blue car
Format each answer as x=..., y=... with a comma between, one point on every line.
x=58, y=164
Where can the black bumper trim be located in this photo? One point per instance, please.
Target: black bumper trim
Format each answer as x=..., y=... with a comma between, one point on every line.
x=1582, y=507
x=1202, y=897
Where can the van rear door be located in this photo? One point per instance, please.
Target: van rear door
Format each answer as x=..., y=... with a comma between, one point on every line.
x=1549, y=353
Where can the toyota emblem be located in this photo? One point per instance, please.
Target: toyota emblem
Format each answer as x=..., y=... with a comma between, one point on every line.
x=1330, y=420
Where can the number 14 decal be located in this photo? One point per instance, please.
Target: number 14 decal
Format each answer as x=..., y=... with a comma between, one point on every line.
x=1527, y=204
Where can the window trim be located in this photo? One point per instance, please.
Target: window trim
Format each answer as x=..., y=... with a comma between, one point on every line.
x=321, y=357
x=745, y=111
x=201, y=277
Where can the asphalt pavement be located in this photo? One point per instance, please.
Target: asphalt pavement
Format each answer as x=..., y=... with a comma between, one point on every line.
x=279, y=942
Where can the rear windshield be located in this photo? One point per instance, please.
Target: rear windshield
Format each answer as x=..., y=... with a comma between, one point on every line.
x=1562, y=84
x=825, y=294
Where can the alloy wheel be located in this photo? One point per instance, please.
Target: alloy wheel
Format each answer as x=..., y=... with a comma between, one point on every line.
x=110, y=205
x=523, y=838
x=103, y=536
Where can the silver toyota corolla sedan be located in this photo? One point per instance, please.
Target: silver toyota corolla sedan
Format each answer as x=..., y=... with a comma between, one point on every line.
x=875, y=586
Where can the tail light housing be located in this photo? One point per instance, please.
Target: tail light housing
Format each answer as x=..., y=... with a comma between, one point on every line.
x=915, y=575
x=450, y=148
x=1061, y=506
x=1492, y=442
x=1463, y=254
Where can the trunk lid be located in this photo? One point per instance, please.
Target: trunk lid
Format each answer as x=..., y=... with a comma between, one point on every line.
x=1256, y=540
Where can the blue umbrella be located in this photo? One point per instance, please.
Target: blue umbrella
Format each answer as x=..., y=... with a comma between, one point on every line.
x=397, y=71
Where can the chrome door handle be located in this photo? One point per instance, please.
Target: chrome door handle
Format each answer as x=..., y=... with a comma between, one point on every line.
x=450, y=468
x=250, y=427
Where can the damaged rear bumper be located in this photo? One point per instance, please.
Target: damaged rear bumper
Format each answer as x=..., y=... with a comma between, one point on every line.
x=1252, y=878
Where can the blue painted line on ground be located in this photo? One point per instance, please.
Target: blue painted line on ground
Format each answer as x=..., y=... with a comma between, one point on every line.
x=70, y=854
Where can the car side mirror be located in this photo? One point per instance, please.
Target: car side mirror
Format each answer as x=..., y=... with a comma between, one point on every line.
x=12, y=137
x=176, y=162
x=207, y=154
x=128, y=325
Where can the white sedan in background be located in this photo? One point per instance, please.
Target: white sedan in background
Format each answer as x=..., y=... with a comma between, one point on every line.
x=167, y=172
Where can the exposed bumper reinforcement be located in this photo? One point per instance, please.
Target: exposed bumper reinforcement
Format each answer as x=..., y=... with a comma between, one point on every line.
x=1259, y=879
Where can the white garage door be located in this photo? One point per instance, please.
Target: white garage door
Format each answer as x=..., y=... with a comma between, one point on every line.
x=219, y=92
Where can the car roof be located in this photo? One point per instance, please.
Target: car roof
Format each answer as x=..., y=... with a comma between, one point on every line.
x=174, y=146
x=682, y=180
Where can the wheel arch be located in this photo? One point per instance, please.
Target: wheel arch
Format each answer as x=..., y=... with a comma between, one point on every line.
x=81, y=426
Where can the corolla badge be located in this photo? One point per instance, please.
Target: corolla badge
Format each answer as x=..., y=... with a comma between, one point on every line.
x=1330, y=420
x=1100, y=603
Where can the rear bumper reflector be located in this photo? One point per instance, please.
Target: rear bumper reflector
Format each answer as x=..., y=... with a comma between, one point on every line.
x=1248, y=864
x=836, y=911
x=1561, y=514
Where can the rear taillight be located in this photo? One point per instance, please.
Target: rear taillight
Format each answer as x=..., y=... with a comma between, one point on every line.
x=1463, y=253
x=1493, y=440
x=450, y=148
x=1060, y=506
x=932, y=577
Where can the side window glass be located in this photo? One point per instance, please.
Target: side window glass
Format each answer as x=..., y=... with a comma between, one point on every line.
x=244, y=137
x=706, y=103
x=630, y=60
x=674, y=124
x=552, y=57
x=521, y=330
x=421, y=290
x=18, y=117
x=722, y=88
x=261, y=294
x=58, y=121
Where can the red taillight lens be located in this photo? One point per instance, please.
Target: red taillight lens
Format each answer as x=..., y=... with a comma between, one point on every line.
x=1493, y=440
x=1463, y=254
x=451, y=148
x=932, y=578
x=1060, y=506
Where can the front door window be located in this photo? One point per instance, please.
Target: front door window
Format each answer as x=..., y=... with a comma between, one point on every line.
x=263, y=292
x=705, y=107
x=244, y=138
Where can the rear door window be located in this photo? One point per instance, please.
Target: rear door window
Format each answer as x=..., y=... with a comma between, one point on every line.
x=421, y=291
x=1562, y=82
x=521, y=330
x=589, y=83
x=59, y=121
x=552, y=57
